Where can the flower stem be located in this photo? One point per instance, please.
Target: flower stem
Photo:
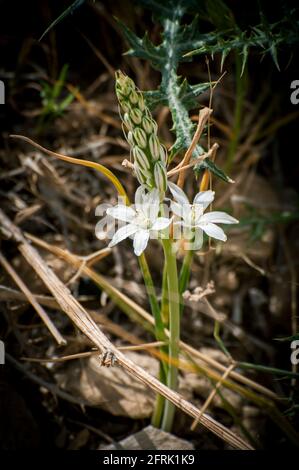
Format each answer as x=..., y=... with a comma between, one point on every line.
x=155, y=308
x=164, y=299
x=159, y=334
x=185, y=273
x=174, y=329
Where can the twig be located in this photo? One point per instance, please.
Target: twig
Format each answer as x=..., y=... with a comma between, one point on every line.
x=202, y=157
x=202, y=119
x=87, y=354
x=32, y=300
x=212, y=394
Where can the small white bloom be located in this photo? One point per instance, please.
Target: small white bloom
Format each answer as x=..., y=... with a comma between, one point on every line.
x=193, y=218
x=141, y=220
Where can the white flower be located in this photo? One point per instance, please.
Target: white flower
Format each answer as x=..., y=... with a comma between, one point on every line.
x=193, y=218
x=141, y=220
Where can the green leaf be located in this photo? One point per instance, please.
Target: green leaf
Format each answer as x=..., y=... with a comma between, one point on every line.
x=207, y=164
x=69, y=11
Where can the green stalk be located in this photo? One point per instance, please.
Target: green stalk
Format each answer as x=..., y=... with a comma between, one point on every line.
x=160, y=400
x=174, y=329
x=159, y=334
x=164, y=299
x=154, y=304
x=185, y=276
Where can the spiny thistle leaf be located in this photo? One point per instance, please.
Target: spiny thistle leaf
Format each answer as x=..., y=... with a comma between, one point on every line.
x=228, y=36
x=174, y=92
x=208, y=164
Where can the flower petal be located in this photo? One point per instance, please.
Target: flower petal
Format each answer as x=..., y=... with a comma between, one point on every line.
x=151, y=205
x=218, y=218
x=161, y=223
x=122, y=233
x=204, y=198
x=178, y=193
x=139, y=196
x=181, y=210
x=122, y=212
x=140, y=241
x=214, y=231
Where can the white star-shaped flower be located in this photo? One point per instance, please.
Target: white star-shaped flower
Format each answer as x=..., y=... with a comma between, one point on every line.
x=193, y=218
x=141, y=220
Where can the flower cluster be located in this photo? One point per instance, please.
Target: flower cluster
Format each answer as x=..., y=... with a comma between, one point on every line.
x=149, y=155
x=143, y=219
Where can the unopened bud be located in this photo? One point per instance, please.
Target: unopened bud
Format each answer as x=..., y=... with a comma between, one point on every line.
x=130, y=138
x=163, y=154
x=143, y=176
x=154, y=146
x=141, y=104
x=136, y=116
x=140, y=158
x=149, y=125
x=160, y=176
x=140, y=137
x=127, y=121
x=133, y=97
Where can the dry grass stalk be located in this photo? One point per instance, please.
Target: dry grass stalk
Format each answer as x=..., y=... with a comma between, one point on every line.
x=32, y=300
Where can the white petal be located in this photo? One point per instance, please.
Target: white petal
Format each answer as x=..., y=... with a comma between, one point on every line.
x=218, y=218
x=122, y=233
x=181, y=210
x=120, y=212
x=161, y=223
x=178, y=193
x=140, y=241
x=139, y=196
x=214, y=231
x=151, y=205
x=204, y=198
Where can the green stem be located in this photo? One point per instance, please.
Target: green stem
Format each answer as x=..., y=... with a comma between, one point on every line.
x=154, y=304
x=219, y=339
x=159, y=334
x=174, y=329
x=160, y=400
x=164, y=299
x=185, y=275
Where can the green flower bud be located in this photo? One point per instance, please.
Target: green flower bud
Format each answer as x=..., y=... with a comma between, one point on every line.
x=140, y=159
x=149, y=125
x=125, y=106
x=127, y=121
x=150, y=182
x=140, y=137
x=136, y=116
x=143, y=176
x=130, y=138
x=141, y=104
x=133, y=97
x=160, y=176
x=163, y=154
x=154, y=146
